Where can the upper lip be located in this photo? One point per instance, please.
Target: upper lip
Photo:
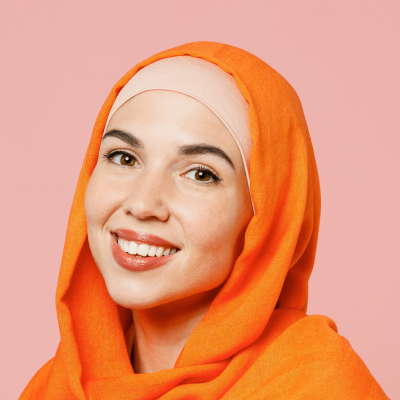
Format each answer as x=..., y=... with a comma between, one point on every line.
x=142, y=237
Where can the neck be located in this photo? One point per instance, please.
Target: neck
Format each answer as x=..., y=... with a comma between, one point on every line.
x=161, y=332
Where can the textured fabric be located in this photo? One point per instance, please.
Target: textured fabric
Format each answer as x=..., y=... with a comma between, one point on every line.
x=205, y=82
x=255, y=342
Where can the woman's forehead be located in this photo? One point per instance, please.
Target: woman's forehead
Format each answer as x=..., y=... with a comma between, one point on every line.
x=163, y=106
x=201, y=80
x=171, y=116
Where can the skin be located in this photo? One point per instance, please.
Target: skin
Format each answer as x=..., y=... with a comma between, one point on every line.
x=161, y=194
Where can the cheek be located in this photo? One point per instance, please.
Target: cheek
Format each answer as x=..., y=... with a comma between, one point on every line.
x=213, y=229
x=94, y=202
x=102, y=199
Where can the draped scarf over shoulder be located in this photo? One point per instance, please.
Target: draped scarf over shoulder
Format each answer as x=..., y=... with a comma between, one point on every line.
x=255, y=342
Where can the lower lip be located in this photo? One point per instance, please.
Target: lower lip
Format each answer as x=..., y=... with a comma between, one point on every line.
x=133, y=263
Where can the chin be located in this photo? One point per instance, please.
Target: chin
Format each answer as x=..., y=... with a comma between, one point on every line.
x=138, y=297
x=160, y=286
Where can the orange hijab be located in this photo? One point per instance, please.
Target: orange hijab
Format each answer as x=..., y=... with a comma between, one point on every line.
x=255, y=342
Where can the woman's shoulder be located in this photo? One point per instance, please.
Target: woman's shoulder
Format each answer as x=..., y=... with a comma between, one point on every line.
x=36, y=384
x=307, y=360
x=50, y=382
x=313, y=345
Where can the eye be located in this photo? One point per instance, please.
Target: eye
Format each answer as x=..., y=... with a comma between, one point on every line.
x=202, y=175
x=124, y=159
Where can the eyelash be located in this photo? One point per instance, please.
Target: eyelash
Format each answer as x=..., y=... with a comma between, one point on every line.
x=114, y=153
x=215, y=177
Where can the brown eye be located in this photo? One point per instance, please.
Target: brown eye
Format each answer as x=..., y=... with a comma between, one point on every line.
x=127, y=160
x=202, y=176
x=124, y=159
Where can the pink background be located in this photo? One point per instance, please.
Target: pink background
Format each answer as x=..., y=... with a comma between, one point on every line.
x=60, y=59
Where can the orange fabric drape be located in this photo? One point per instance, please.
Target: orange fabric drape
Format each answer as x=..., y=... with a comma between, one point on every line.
x=255, y=342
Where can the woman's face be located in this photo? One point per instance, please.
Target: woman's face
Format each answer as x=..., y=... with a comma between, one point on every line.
x=169, y=177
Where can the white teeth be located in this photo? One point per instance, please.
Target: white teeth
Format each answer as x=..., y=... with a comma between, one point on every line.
x=132, y=249
x=143, y=249
x=159, y=251
x=152, y=251
x=126, y=246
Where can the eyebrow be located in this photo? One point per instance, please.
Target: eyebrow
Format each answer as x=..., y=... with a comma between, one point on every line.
x=193, y=149
x=125, y=137
x=186, y=150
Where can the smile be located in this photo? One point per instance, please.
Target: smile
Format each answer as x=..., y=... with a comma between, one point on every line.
x=144, y=250
x=137, y=251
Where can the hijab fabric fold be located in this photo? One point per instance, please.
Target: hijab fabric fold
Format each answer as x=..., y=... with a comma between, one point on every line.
x=255, y=341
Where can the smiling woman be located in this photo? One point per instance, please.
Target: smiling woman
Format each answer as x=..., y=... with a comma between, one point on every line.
x=172, y=195
x=169, y=179
x=191, y=241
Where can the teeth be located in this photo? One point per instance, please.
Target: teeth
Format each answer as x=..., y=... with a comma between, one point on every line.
x=132, y=249
x=152, y=251
x=126, y=246
x=159, y=251
x=143, y=250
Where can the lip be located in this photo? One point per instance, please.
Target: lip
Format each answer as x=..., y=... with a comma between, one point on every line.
x=134, y=263
x=141, y=237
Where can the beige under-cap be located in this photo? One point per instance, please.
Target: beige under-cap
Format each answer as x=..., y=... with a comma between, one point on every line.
x=205, y=82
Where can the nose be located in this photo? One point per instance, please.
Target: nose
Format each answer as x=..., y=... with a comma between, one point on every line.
x=147, y=199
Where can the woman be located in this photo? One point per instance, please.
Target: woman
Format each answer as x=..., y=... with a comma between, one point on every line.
x=191, y=240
